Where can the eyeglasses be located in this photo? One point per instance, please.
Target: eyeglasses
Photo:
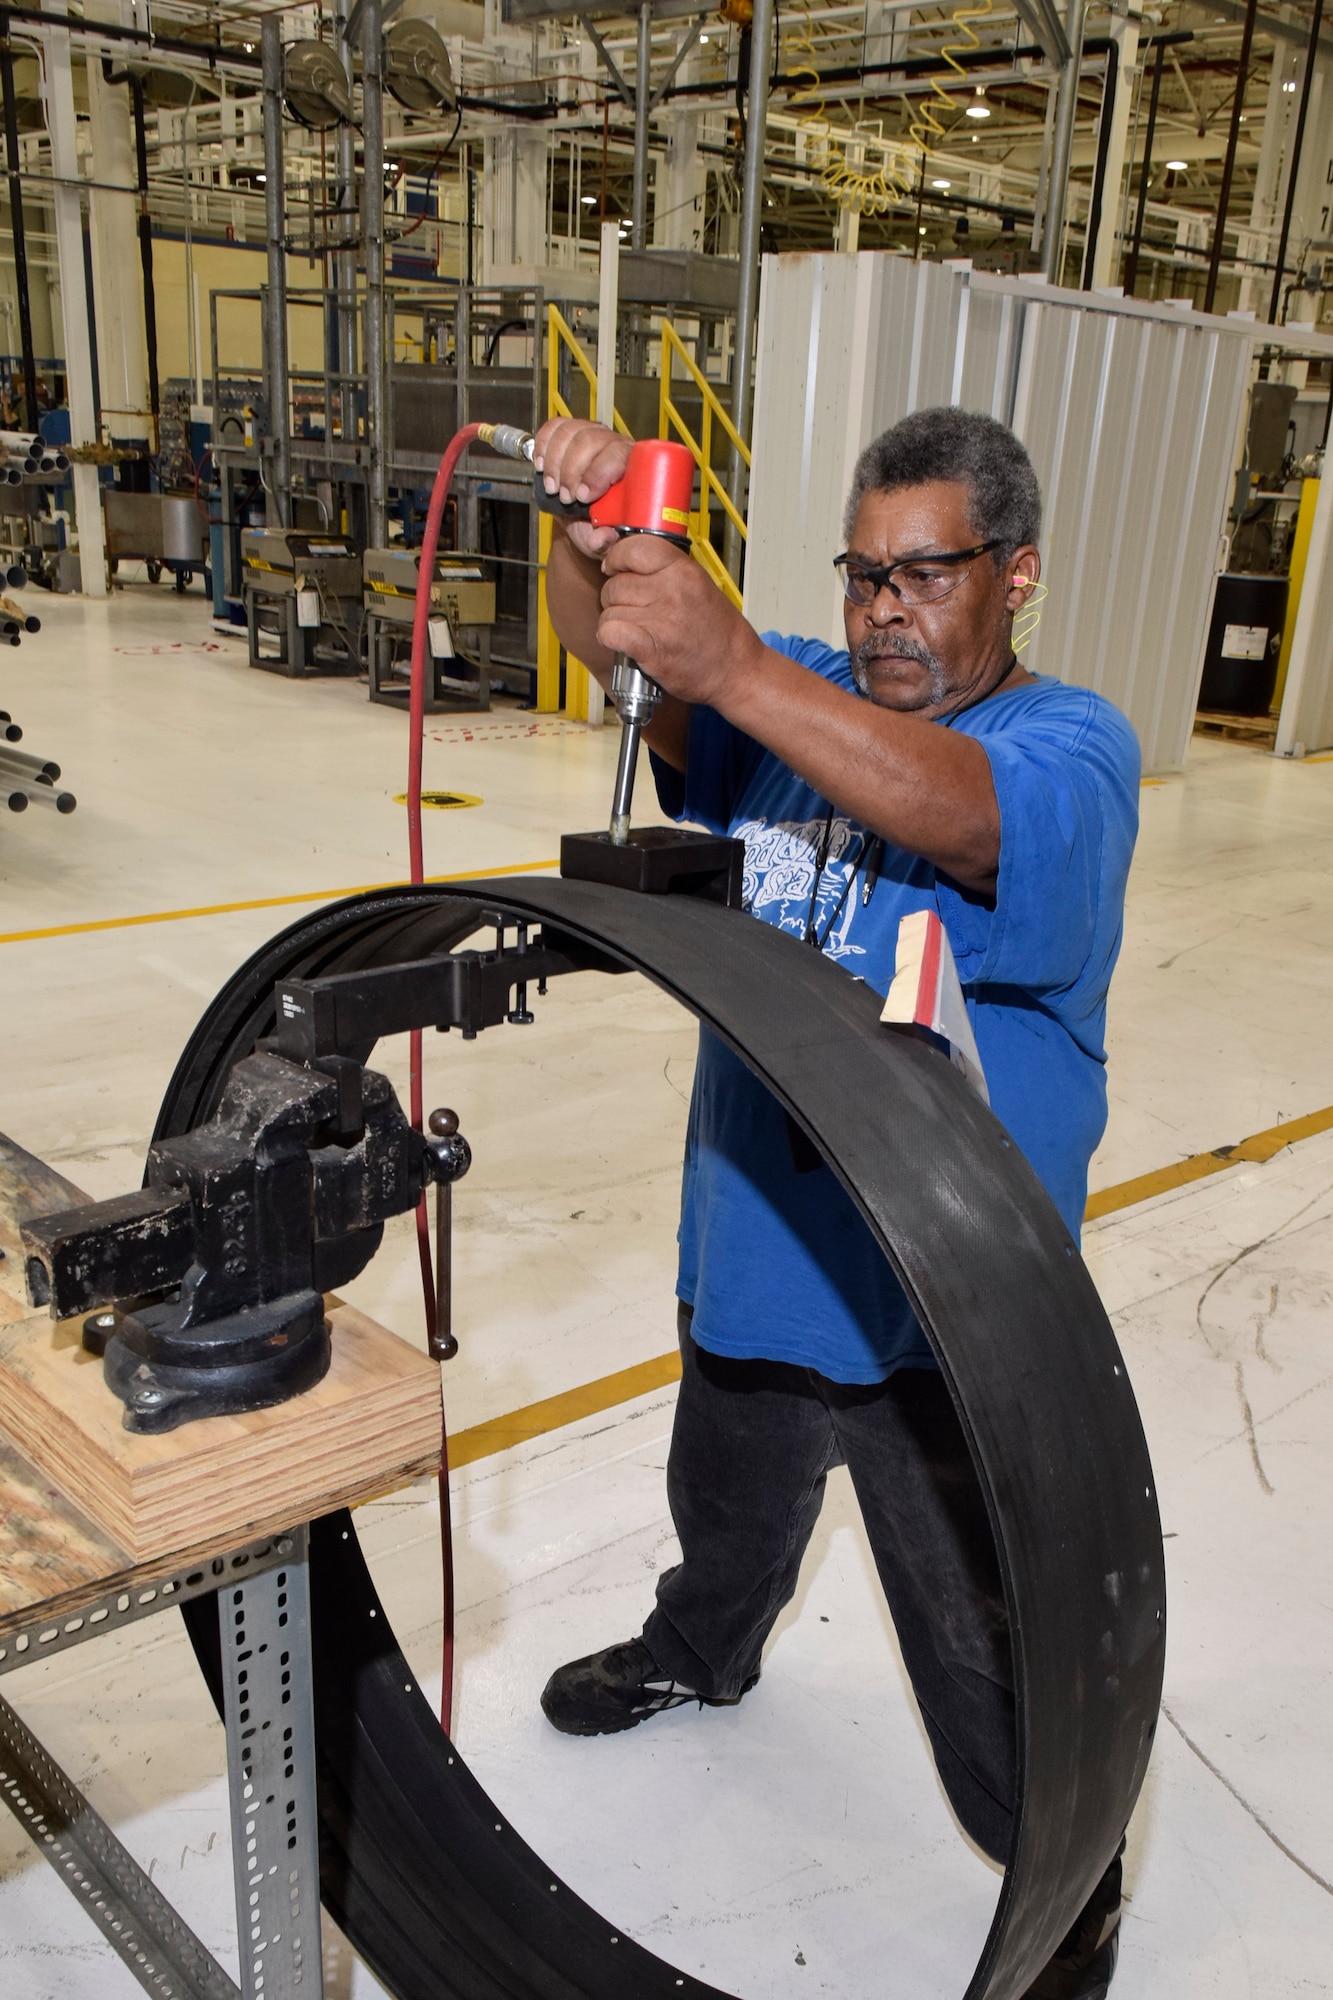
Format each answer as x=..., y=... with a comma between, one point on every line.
x=915, y=580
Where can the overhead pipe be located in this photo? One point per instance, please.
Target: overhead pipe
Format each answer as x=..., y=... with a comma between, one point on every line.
x=1229, y=162
x=643, y=104
x=1294, y=166
x=277, y=369
x=372, y=239
x=909, y=68
x=1066, y=111
x=752, y=209
x=199, y=53
x=14, y=165
x=1131, y=272
x=1096, y=199
x=146, y=253
x=344, y=261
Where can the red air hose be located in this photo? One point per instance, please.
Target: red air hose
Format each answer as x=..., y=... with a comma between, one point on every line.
x=430, y=543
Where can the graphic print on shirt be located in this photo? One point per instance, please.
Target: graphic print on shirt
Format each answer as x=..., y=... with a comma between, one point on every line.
x=781, y=860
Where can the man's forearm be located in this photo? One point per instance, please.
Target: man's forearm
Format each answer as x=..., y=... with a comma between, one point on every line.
x=574, y=600
x=922, y=787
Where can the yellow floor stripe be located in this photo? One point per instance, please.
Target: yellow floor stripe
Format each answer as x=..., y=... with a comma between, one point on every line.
x=591, y=1398
x=1260, y=1146
x=262, y=903
x=533, y=1421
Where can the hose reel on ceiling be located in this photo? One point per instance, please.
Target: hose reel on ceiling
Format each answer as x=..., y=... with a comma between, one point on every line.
x=417, y=72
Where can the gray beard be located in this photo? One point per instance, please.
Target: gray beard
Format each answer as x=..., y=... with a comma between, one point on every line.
x=901, y=649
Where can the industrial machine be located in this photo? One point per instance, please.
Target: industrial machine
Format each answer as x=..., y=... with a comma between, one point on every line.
x=462, y=612
x=302, y=601
x=163, y=530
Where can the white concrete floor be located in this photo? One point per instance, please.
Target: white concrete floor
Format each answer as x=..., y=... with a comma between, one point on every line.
x=799, y=1842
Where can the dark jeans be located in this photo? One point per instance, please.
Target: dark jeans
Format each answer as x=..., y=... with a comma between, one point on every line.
x=752, y=1443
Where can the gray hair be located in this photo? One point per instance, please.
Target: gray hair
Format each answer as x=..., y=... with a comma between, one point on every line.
x=963, y=445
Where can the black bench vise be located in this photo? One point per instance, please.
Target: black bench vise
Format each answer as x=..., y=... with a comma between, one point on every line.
x=219, y=1264
x=244, y=1224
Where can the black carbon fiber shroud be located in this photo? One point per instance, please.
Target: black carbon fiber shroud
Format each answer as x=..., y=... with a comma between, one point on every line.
x=442, y=1905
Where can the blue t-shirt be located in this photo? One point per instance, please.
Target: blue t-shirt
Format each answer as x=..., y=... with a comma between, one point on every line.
x=774, y=1259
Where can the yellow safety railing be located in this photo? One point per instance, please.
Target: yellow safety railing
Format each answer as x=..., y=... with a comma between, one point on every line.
x=669, y=419
x=561, y=334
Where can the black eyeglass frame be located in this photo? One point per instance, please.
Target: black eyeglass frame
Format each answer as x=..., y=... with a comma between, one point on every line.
x=881, y=575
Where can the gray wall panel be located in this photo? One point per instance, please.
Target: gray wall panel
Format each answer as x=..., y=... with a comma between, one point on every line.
x=1131, y=416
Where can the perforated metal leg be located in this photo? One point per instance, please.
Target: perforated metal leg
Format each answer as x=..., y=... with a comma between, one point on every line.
x=136, y=1919
x=265, y=1630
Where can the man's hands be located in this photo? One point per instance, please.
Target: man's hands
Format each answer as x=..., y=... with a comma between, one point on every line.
x=580, y=461
x=923, y=788
x=657, y=605
x=660, y=608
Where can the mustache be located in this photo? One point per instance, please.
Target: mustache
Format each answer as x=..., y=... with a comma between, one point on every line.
x=897, y=648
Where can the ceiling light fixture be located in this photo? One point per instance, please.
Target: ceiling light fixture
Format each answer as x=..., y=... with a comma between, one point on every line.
x=1176, y=166
x=1290, y=86
x=588, y=200
x=979, y=108
x=941, y=184
x=703, y=38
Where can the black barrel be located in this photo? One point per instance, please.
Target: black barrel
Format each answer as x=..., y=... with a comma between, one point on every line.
x=1240, y=665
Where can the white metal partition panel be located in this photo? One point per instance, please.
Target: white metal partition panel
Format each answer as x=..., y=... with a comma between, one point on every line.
x=847, y=344
x=1131, y=422
x=1131, y=413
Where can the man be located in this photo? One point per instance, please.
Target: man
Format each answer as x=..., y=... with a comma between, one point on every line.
x=923, y=767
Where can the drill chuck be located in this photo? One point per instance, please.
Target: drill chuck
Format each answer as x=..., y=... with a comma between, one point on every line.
x=633, y=695
x=635, y=698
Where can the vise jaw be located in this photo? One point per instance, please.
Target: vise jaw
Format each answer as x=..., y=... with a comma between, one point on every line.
x=222, y=1259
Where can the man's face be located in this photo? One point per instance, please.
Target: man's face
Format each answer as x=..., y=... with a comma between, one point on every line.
x=932, y=659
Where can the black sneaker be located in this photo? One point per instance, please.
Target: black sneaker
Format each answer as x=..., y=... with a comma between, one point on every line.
x=1083, y=1967
x=615, y=1689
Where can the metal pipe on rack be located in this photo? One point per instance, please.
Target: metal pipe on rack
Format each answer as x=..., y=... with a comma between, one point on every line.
x=277, y=365
x=1066, y=113
x=752, y=209
x=372, y=238
x=20, y=793
x=23, y=763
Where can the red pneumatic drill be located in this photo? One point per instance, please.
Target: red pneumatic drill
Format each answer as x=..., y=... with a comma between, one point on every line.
x=653, y=498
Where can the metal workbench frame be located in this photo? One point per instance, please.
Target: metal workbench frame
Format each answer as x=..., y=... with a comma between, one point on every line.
x=263, y=1598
